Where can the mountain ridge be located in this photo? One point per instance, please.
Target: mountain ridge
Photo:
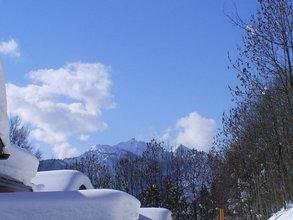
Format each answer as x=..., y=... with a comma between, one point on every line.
x=103, y=153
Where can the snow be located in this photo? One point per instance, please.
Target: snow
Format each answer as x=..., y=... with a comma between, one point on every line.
x=21, y=165
x=284, y=214
x=60, y=180
x=105, y=154
x=133, y=146
x=101, y=204
x=154, y=214
x=3, y=110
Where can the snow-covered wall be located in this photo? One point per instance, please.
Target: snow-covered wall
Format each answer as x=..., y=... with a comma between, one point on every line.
x=60, y=180
x=3, y=110
x=101, y=204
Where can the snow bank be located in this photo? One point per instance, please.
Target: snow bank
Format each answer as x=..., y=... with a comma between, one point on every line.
x=21, y=165
x=154, y=214
x=101, y=204
x=3, y=110
x=284, y=214
x=60, y=180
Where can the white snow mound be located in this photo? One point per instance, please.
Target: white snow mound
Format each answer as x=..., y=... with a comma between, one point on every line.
x=60, y=180
x=99, y=204
x=21, y=165
x=154, y=214
x=284, y=214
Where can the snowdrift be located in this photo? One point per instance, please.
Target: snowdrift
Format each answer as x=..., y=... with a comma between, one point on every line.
x=154, y=214
x=284, y=214
x=102, y=204
x=21, y=165
x=60, y=180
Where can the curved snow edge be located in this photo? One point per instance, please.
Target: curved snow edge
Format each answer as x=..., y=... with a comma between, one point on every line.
x=100, y=204
x=60, y=180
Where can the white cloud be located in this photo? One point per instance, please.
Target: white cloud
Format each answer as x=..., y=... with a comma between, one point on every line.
x=193, y=131
x=84, y=137
x=63, y=103
x=10, y=48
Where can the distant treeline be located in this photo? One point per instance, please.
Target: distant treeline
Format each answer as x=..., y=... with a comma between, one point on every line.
x=179, y=180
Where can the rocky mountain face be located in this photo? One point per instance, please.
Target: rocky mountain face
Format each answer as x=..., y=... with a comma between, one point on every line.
x=104, y=154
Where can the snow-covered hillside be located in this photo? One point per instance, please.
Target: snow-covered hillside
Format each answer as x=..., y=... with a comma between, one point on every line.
x=284, y=214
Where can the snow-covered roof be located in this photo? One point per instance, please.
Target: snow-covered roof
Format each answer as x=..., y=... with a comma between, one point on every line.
x=99, y=204
x=21, y=165
x=60, y=180
x=154, y=214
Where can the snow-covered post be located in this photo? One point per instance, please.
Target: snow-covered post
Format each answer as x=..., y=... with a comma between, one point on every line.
x=4, y=126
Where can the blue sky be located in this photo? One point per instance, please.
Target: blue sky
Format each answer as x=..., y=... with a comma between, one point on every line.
x=167, y=59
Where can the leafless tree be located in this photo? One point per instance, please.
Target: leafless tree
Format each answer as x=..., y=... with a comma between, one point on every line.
x=257, y=135
x=19, y=135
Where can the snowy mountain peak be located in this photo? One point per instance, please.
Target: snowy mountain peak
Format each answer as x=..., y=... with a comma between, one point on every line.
x=133, y=146
x=99, y=147
x=181, y=149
